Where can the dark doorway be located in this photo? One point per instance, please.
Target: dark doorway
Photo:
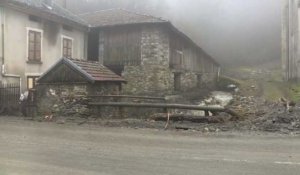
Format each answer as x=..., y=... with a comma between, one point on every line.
x=116, y=69
x=199, y=80
x=177, y=81
x=93, y=44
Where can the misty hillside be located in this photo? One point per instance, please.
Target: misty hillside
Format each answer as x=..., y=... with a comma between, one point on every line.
x=234, y=32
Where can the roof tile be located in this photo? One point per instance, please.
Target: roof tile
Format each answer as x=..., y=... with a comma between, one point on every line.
x=114, y=17
x=53, y=10
x=97, y=70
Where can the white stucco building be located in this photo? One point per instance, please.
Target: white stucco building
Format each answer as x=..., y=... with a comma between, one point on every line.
x=34, y=34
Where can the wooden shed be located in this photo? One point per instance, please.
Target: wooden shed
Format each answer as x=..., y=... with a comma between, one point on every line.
x=71, y=76
x=65, y=88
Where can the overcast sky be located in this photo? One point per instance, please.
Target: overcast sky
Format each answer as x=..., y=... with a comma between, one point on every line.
x=232, y=31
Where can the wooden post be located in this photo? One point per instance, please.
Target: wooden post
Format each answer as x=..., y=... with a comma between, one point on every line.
x=165, y=110
x=206, y=113
x=168, y=120
x=121, y=111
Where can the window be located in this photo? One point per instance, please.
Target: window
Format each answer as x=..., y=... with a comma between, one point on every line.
x=31, y=82
x=67, y=47
x=177, y=61
x=34, y=45
x=101, y=47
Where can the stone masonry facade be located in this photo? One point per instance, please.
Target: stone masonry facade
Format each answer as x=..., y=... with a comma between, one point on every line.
x=72, y=100
x=188, y=80
x=154, y=76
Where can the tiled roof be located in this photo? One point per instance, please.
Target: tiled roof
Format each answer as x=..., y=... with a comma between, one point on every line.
x=90, y=71
x=39, y=6
x=97, y=71
x=114, y=17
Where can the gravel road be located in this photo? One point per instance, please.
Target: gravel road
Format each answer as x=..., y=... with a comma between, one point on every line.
x=28, y=147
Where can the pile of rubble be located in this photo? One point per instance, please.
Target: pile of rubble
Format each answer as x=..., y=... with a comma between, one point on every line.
x=260, y=115
x=278, y=119
x=248, y=107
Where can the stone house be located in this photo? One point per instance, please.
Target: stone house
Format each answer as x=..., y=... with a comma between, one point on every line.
x=34, y=34
x=150, y=53
x=67, y=85
x=290, y=39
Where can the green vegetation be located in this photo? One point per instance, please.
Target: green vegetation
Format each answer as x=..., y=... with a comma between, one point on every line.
x=293, y=91
x=263, y=83
x=273, y=91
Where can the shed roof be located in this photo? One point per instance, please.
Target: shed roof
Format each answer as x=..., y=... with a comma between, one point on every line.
x=42, y=9
x=90, y=71
x=114, y=17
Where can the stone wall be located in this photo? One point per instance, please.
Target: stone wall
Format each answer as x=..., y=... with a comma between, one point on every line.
x=108, y=88
x=62, y=100
x=189, y=80
x=72, y=100
x=153, y=76
x=209, y=78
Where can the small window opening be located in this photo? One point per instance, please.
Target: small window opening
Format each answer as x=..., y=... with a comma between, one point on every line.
x=31, y=82
x=67, y=48
x=177, y=81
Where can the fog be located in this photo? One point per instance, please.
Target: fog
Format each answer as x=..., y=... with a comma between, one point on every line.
x=234, y=32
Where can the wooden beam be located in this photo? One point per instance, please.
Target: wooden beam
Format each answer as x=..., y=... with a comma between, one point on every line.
x=191, y=118
x=161, y=105
x=128, y=96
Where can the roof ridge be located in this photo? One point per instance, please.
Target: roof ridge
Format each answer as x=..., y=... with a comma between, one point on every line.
x=97, y=11
x=41, y=7
x=126, y=10
x=142, y=14
x=71, y=13
x=89, y=61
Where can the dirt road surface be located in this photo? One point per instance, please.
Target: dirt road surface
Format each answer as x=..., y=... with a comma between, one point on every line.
x=32, y=148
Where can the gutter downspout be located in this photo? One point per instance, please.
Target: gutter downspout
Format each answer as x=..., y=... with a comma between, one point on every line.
x=288, y=42
x=3, y=72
